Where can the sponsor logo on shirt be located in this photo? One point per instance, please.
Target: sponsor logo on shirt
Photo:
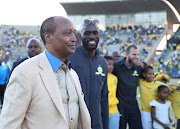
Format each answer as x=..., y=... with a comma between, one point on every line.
x=135, y=73
x=100, y=71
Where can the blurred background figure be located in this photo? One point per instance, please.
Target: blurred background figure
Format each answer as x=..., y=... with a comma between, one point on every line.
x=116, y=56
x=8, y=65
x=33, y=48
x=3, y=74
x=78, y=37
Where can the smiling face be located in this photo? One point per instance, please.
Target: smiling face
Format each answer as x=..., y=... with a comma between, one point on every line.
x=132, y=57
x=62, y=42
x=110, y=65
x=90, y=37
x=164, y=93
x=149, y=75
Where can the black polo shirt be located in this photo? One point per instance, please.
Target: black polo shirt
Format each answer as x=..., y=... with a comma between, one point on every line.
x=127, y=81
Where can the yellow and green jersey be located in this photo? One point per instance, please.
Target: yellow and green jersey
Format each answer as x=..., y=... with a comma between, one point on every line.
x=175, y=99
x=112, y=87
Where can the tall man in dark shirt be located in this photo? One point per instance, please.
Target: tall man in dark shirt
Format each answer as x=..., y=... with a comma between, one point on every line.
x=128, y=72
x=92, y=71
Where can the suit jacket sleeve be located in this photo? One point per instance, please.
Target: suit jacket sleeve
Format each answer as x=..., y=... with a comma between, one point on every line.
x=105, y=105
x=16, y=101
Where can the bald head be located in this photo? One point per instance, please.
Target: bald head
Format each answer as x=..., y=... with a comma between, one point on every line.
x=50, y=25
x=33, y=40
x=59, y=36
x=33, y=47
x=115, y=55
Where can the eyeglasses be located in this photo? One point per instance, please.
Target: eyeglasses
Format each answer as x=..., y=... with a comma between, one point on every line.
x=89, y=21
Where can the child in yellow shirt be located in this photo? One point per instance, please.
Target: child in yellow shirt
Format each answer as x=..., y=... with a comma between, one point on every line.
x=148, y=91
x=113, y=101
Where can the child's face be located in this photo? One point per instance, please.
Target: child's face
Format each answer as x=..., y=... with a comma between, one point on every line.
x=110, y=65
x=149, y=75
x=164, y=93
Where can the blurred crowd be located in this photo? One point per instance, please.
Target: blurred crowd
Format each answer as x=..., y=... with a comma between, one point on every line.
x=15, y=39
x=138, y=35
x=170, y=65
x=12, y=39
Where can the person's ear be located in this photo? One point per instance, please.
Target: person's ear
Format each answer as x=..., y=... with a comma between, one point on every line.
x=143, y=74
x=158, y=94
x=80, y=36
x=48, y=37
x=127, y=54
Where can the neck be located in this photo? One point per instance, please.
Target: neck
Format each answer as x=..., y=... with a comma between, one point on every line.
x=126, y=61
x=161, y=100
x=148, y=81
x=91, y=53
x=60, y=56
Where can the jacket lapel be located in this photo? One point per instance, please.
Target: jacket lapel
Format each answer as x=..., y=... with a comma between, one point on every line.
x=50, y=82
x=84, y=113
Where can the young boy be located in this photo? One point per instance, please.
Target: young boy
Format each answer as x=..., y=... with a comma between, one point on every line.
x=113, y=101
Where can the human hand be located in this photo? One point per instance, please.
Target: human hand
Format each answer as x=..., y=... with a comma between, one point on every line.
x=178, y=88
x=171, y=85
x=173, y=124
x=166, y=126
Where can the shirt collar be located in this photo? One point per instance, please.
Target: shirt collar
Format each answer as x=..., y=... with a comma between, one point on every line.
x=86, y=53
x=54, y=61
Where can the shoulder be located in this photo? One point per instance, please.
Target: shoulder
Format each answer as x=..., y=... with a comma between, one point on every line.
x=168, y=102
x=19, y=61
x=102, y=59
x=153, y=103
x=113, y=76
x=119, y=62
x=141, y=81
x=73, y=72
x=30, y=64
x=139, y=68
x=160, y=83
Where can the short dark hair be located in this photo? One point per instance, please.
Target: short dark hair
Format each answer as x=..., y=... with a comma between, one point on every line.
x=129, y=48
x=108, y=58
x=49, y=25
x=145, y=64
x=162, y=87
x=147, y=68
